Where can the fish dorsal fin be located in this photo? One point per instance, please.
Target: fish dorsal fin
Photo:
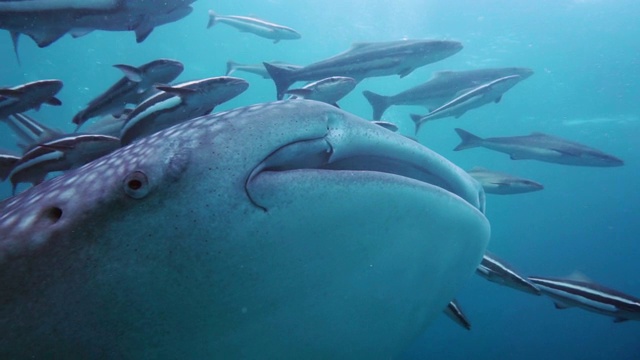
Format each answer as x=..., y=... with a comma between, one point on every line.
x=130, y=72
x=536, y=133
x=175, y=90
x=46, y=37
x=579, y=276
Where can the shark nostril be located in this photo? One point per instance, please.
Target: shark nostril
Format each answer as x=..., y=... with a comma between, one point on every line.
x=53, y=214
x=136, y=185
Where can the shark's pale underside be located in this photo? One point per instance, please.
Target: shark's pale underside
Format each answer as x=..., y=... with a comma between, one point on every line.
x=291, y=229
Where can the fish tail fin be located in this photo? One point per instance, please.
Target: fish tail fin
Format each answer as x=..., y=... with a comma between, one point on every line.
x=379, y=103
x=231, y=67
x=467, y=140
x=417, y=120
x=281, y=77
x=212, y=19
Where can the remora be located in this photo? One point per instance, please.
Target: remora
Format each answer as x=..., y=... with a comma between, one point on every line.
x=47, y=21
x=441, y=88
x=365, y=60
x=589, y=296
x=494, y=182
x=542, y=147
x=133, y=88
x=498, y=271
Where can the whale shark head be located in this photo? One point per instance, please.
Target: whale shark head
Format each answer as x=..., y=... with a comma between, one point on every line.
x=283, y=229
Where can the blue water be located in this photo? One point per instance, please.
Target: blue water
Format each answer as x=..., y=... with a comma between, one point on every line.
x=586, y=87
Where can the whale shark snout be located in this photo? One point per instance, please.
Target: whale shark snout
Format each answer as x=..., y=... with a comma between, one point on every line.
x=288, y=229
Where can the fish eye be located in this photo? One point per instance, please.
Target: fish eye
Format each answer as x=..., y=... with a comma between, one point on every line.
x=136, y=185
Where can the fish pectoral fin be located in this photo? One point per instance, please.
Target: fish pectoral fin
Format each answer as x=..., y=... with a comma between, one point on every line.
x=76, y=33
x=619, y=320
x=142, y=32
x=560, y=306
x=54, y=101
x=46, y=37
x=497, y=100
x=130, y=72
x=456, y=116
x=405, y=72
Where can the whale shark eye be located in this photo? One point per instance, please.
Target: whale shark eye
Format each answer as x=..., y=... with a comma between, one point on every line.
x=136, y=185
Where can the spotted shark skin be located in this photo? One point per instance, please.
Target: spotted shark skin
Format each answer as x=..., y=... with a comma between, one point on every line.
x=229, y=235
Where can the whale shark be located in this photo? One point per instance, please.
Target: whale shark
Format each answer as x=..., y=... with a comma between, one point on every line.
x=290, y=229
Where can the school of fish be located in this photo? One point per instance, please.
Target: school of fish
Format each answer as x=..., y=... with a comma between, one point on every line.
x=147, y=99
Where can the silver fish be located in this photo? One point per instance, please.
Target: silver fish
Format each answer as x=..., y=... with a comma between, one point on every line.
x=47, y=21
x=364, y=60
x=137, y=85
x=441, y=88
x=257, y=69
x=542, y=147
x=28, y=96
x=249, y=233
x=498, y=271
x=328, y=90
x=255, y=26
x=503, y=184
x=589, y=296
x=472, y=99
x=179, y=103
x=61, y=154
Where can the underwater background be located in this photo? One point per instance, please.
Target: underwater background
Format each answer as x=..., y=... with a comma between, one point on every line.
x=586, y=88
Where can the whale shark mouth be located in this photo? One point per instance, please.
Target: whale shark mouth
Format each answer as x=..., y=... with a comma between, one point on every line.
x=387, y=156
